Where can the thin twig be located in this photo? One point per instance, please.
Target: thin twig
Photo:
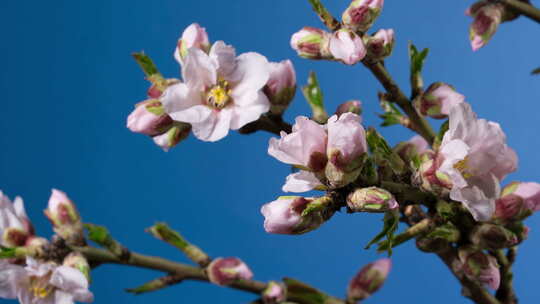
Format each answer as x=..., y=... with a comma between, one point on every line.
x=506, y=293
x=523, y=8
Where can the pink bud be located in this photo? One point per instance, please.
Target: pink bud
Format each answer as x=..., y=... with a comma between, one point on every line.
x=311, y=43
x=371, y=199
x=487, y=17
x=411, y=148
x=480, y=267
x=353, y=106
x=284, y=216
x=281, y=86
x=274, y=293
x=361, y=14
x=193, y=36
x=438, y=99
x=347, y=47
x=178, y=132
x=65, y=218
x=429, y=177
x=370, y=279
x=518, y=201
x=225, y=271
x=149, y=118
x=380, y=45
x=15, y=227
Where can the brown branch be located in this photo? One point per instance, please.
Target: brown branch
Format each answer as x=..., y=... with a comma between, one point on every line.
x=327, y=18
x=269, y=123
x=523, y=8
x=506, y=293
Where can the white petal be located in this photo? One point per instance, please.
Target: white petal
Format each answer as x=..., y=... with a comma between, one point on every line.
x=194, y=115
x=179, y=97
x=10, y=275
x=61, y=297
x=251, y=74
x=224, y=57
x=68, y=279
x=215, y=127
x=301, y=182
x=199, y=71
x=243, y=115
x=18, y=204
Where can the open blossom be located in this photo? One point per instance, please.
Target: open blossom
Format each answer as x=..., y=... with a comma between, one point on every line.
x=487, y=18
x=380, y=45
x=15, y=227
x=517, y=201
x=44, y=283
x=221, y=91
x=347, y=47
x=438, y=100
x=284, y=216
x=337, y=149
x=474, y=156
x=193, y=36
x=225, y=271
x=281, y=86
x=361, y=14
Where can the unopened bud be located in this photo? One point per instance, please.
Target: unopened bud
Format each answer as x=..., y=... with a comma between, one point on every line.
x=480, y=267
x=370, y=279
x=361, y=14
x=490, y=236
x=518, y=201
x=347, y=47
x=194, y=36
x=380, y=45
x=352, y=106
x=281, y=86
x=15, y=227
x=287, y=214
x=65, y=218
x=412, y=148
x=311, y=43
x=429, y=178
x=225, y=271
x=178, y=132
x=78, y=261
x=437, y=101
x=371, y=199
x=149, y=118
x=487, y=18
x=274, y=293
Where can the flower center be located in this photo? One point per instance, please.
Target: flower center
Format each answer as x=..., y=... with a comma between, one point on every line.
x=40, y=287
x=462, y=167
x=219, y=95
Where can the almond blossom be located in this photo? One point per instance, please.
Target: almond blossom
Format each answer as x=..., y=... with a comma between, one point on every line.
x=475, y=157
x=220, y=91
x=15, y=227
x=193, y=36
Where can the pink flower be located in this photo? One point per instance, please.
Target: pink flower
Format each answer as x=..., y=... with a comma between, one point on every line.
x=361, y=14
x=149, y=118
x=347, y=47
x=487, y=17
x=225, y=271
x=353, y=106
x=284, y=216
x=370, y=279
x=281, y=86
x=221, y=91
x=15, y=227
x=414, y=147
x=311, y=43
x=475, y=157
x=193, y=36
x=380, y=45
x=65, y=218
x=438, y=100
x=518, y=201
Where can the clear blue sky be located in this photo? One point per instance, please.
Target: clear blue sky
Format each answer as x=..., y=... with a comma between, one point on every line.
x=68, y=84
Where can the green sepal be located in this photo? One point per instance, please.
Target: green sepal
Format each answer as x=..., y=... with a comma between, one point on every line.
x=447, y=232
x=7, y=253
x=317, y=205
x=98, y=234
x=391, y=222
x=313, y=94
x=438, y=139
x=302, y=293
x=163, y=232
x=392, y=115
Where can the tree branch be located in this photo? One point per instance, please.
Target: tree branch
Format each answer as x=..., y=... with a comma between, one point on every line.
x=506, y=293
x=269, y=123
x=523, y=8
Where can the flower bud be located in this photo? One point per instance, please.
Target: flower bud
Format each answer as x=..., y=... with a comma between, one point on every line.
x=371, y=199
x=78, y=261
x=429, y=178
x=487, y=17
x=490, y=236
x=149, y=118
x=347, y=47
x=274, y=293
x=413, y=147
x=437, y=101
x=285, y=215
x=193, y=36
x=36, y=246
x=65, y=218
x=158, y=87
x=380, y=45
x=225, y=271
x=370, y=279
x=361, y=14
x=15, y=227
x=518, y=201
x=480, y=267
x=178, y=132
x=281, y=86
x=352, y=106
x=311, y=43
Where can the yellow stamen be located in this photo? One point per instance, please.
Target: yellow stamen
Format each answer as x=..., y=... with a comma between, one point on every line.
x=41, y=292
x=219, y=96
x=462, y=166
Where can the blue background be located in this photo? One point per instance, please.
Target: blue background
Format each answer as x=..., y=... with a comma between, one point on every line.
x=68, y=83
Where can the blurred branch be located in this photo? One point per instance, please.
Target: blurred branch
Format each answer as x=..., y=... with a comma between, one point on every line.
x=327, y=18
x=523, y=8
x=267, y=122
x=506, y=293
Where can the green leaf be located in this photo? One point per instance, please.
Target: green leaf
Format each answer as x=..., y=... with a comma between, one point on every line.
x=146, y=64
x=392, y=115
x=438, y=139
x=313, y=94
x=417, y=58
x=391, y=222
x=536, y=71
x=300, y=292
x=163, y=232
x=98, y=234
x=383, y=155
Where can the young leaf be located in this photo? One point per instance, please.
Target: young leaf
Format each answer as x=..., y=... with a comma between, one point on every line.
x=313, y=94
x=391, y=221
x=417, y=63
x=382, y=153
x=302, y=293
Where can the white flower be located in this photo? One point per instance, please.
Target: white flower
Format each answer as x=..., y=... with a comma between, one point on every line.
x=221, y=91
x=15, y=227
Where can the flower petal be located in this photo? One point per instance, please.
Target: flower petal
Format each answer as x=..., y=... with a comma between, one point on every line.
x=199, y=71
x=251, y=74
x=224, y=57
x=68, y=279
x=301, y=182
x=215, y=127
x=242, y=115
x=179, y=97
